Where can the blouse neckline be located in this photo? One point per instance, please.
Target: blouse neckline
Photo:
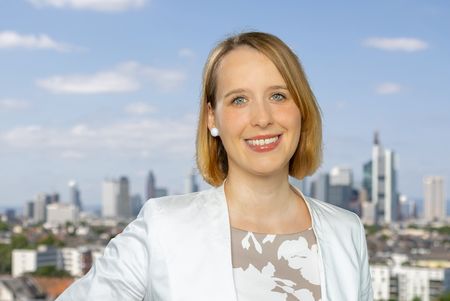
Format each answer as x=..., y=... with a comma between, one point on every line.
x=283, y=234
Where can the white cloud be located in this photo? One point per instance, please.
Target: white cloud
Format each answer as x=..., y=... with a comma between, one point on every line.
x=103, y=82
x=186, y=53
x=81, y=130
x=165, y=79
x=72, y=155
x=125, y=77
x=96, y=5
x=148, y=136
x=396, y=44
x=388, y=88
x=139, y=108
x=9, y=104
x=12, y=39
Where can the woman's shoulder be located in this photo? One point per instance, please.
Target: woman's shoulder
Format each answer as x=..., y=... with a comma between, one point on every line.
x=180, y=202
x=335, y=216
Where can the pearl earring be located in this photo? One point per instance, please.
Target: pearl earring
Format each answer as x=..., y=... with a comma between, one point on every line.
x=214, y=132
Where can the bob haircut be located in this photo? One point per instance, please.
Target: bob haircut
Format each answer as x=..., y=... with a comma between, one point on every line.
x=211, y=155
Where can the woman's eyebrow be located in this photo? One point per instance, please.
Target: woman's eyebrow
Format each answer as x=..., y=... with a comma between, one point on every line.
x=277, y=87
x=240, y=90
x=234, y=92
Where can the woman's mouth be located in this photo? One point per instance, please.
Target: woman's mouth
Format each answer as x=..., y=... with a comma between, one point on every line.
x=263, y=143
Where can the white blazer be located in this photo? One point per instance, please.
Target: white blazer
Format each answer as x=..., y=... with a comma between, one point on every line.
x=179, y=249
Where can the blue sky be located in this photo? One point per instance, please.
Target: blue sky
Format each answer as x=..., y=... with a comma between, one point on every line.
x=102, y=88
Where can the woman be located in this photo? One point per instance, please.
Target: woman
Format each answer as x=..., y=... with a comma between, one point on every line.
x=253, y=236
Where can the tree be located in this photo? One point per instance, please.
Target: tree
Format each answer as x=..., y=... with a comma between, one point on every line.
x=445, y=297
x=372, y=229
x=444, y=230
x=5, y=259
x=51, y=240
x=50, y=271
x=20, y=241
x=4, y=226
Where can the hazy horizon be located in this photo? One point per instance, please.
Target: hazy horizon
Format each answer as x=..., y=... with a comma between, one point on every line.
x=96, y=89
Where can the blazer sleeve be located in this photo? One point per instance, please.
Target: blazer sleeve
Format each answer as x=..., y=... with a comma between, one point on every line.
x=121, y=273
x=366, y=292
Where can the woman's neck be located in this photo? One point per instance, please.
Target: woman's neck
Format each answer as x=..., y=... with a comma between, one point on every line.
x=262, y=203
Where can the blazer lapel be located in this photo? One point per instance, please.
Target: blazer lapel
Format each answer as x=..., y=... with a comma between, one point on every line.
x=321, y=242
x=198, y=255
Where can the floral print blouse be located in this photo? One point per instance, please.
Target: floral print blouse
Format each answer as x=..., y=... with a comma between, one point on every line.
x=275, y=267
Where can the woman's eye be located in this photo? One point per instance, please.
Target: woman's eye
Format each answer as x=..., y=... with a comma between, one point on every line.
x=239, y=100
x=278, y=97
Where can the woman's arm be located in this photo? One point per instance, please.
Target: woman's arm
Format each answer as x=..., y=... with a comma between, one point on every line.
x=121, y=273
x=366, y=292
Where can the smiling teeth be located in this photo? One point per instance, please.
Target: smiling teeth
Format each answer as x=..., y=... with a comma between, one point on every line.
x=262, y=141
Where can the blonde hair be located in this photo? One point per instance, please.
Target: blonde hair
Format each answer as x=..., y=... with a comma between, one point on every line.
x=211, y=155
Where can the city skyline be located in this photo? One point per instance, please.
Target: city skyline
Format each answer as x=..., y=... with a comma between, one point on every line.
x=111, y=88
x=336, y=176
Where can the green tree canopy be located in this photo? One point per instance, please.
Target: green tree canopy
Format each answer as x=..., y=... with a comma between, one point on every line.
x=51, y=240
x=50, y=271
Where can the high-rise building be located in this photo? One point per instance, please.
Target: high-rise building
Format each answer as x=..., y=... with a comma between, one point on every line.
x=10, y=215
x=116, y=198
x=397, y=279
x=160, y=192
x=78, y=260
x=365, y=195
x=341, y=176
x=74, y=193
x=190, y=184
x=340, y=191
x=320, y=187
x=150, y=186
x=110, y=198
x=124, y=198
x=61, y=213
x=367, y=178
x=434, y=198
x=136, y=204
x=28, y=211
x=384, y=195
x=53, y=198
x=25, y=260
x=39, y=209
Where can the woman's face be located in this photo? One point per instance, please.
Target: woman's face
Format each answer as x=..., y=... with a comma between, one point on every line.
x=258, y=121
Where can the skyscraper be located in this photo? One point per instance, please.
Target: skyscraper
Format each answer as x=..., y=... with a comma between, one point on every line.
x=136, y=204
x=341, y=187
x=151, y=186
x=53, y=198
x=116, y=198
x=39, y=208
x=28, y=211
x=61, y=213
x=160, y=192
x=110, y=198
x=190, y=184
x=124, y=198
x=384, y=195
x=74, y=194
x=320, y=187
x=367, y=178
x=434, y=198
x=341, y=176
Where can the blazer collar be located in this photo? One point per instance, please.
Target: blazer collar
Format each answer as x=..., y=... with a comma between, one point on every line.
x=221, y=216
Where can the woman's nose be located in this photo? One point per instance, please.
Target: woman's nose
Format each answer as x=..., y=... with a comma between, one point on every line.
x=261, y=114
